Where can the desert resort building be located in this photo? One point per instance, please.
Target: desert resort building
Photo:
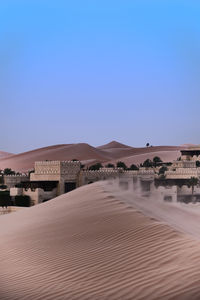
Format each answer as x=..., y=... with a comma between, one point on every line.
x=53, y=178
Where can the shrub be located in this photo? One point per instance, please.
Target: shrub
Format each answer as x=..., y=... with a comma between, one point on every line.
x=110, y=166
x=133, y=167
x=5, y=199
x=22, y=201
x=121, y=164
x=8, y=171
x=162, y=170
x=3, y=187
x=197, y=163
x=148, y=163
x=157, y=160
x=95, y=167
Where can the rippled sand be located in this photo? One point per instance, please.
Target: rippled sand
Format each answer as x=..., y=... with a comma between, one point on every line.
x=89, y=244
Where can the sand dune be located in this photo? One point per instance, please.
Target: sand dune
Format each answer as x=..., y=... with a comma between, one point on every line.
x=122, y=152
x=166, y=156
x=111, y=152
x=112, y=145
x=25, y=161
x=88, y=244
x=4, y=154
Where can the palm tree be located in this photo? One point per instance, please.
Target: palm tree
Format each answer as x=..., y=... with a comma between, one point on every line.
x=192, y=182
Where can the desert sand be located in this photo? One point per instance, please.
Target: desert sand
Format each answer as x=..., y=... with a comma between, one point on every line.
x=88, y=155
x=4, y=154
x=96, y=243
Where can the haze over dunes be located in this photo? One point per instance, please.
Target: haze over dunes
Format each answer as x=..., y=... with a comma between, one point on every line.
x=111, y=152
x=87, y=244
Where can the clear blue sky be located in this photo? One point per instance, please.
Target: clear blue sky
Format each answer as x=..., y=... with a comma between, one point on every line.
x=95, y=71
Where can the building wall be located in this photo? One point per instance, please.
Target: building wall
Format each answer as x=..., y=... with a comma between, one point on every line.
x=184, y=164
x=38, y=195
x=90, y=176
x=182, y=173
x=168, y=193
x=62, y=171
x=16, y=191
x=12, y=180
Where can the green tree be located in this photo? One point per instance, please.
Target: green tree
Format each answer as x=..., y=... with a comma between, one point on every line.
x=197, y=163
x=157, y=160
x=147, y=163
x=8, y=171
x=133, y=167
x=95, y=167
x=110, y=166
x=121, y=164
x=162, y=170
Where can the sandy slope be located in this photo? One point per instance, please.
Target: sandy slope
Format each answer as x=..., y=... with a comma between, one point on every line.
x=166, y=156
x=89, y=245
x=4, y=154
x=25, y=161
x=114, y=144
x=111, y=152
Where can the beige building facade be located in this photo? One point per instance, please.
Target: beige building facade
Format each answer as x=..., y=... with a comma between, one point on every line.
x=53, y=178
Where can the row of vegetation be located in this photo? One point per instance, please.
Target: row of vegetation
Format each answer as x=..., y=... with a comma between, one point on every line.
x=5, y=172
x=8, y=171
x=120, y=164
x=7, y=200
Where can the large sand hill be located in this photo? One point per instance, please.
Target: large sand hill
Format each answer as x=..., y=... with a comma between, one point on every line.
x=88, y=155
x=4, y=154
x=92, y=244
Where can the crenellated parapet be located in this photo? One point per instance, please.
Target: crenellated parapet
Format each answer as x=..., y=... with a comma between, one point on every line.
x=56, y=167
x=70, y=167
x=47, y=167
x=15, y=175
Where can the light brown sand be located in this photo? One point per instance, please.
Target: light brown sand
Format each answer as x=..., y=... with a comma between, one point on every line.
x=87, y=244
x=111, y=152
x=166, y=156
x=4, y=154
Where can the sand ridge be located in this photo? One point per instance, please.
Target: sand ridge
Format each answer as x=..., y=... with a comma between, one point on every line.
x=4, y=154
x=111, y=152
x=88, y=244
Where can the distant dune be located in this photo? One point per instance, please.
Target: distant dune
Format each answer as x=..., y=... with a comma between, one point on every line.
x=25, y=161
x=113, y=145
x=87, y=244
x=166, y=156
x=5, y=154
x=111, y=152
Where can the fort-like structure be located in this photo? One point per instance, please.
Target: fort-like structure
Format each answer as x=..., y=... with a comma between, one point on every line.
x=53, y=178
